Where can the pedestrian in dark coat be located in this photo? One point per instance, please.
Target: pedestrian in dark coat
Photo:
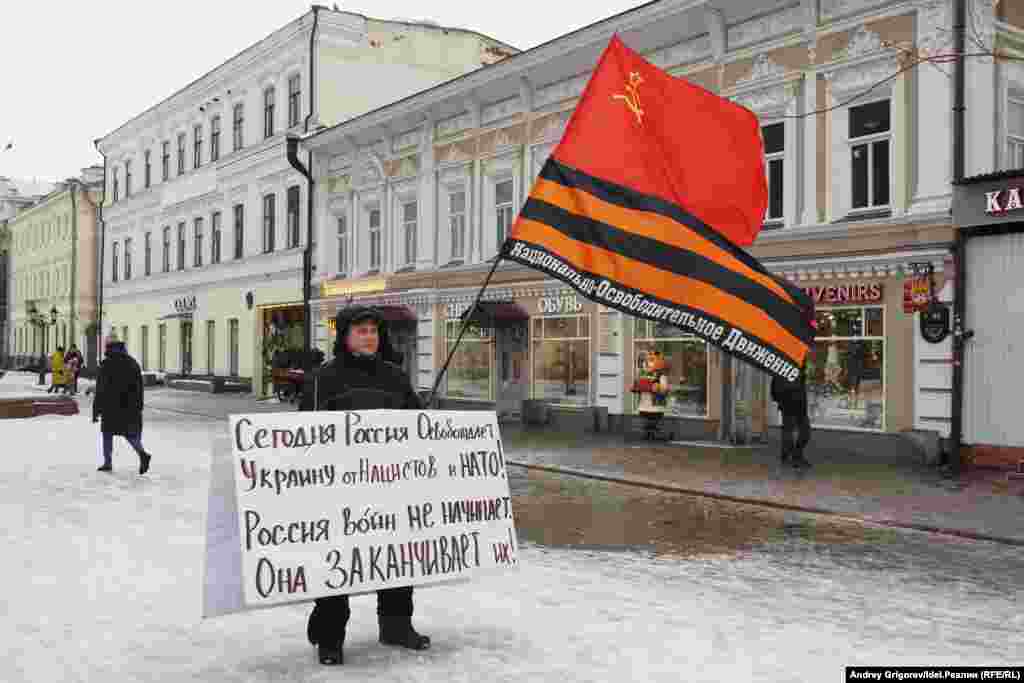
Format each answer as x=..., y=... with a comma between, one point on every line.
x=118, y=403
x=364, y=375
x=792, y=400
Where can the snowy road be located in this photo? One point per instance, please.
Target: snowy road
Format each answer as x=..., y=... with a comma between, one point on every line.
x=104, y=573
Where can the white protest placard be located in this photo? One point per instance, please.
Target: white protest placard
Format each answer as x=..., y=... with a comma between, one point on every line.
x=348, y=502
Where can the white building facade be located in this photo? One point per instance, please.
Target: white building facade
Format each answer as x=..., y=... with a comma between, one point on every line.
x=414, y=199
x=205, y=218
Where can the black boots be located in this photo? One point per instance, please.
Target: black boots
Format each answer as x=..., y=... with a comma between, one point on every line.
x=399, y=631
x=330, y=651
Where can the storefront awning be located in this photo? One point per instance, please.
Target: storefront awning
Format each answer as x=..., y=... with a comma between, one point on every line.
x=397, y=314
x=494, y=313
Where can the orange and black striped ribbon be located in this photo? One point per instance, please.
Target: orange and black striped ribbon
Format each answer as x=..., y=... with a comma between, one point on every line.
x=649, y=258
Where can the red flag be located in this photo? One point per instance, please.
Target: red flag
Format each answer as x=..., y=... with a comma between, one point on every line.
x=671, y=139
x=643, y=203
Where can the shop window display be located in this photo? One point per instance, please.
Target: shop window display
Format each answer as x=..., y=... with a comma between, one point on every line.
x=846, y=369
x=561, y=359
x=470, y=373
x=686, y=366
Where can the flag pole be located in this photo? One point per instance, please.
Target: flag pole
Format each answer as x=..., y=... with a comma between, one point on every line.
x=465, y=321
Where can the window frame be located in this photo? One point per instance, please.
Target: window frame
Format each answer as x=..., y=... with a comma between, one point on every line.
x=215, y=237
x=127, y=259
x=293, y=216
x=147, y=168
x=181, y=154
x=116, y=190
x=457, y=226
x=269, y=101
x=537, y=323
x=197, y=146
x=165, y=159
x=408, y=231
x=780, y=158
x=215, y=139
x=181, y=244
x=115, y=260
x=148, y=257
x=373, y=234
x=501, y=235
x=167, y=249
x=681, y=336
x=237, y=126
x=127, y=178
x=269, y=223
x=869, y=141
x=238, y=225
x=341, y=226
x=197, y=245
x=294, y=100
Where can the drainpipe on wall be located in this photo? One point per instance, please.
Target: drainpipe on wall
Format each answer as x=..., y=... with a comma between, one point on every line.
x=959, y=248
x=306, y=170
x=102, y=250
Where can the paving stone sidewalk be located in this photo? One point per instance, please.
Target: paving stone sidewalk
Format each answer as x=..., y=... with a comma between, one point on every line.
x=877, y=486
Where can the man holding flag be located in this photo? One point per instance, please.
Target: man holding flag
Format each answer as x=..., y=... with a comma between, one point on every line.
x=644, y=207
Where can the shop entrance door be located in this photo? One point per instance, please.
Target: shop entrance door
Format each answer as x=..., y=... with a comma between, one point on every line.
x=995, y=312
x=511, y=365
x=186, y=347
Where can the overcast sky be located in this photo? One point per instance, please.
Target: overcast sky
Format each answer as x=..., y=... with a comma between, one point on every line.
x=74, y=71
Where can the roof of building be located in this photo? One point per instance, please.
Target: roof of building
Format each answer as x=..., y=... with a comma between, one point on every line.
x=422, y=23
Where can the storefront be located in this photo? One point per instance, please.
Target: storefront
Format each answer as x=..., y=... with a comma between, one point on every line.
x=989, y=214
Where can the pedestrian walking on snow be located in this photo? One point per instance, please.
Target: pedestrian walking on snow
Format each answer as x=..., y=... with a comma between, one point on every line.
x=118, y=403
x=72, y=369
x=57, y=368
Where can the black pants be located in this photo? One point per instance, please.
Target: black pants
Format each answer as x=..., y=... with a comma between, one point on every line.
x=794, y=419
x=332, y=614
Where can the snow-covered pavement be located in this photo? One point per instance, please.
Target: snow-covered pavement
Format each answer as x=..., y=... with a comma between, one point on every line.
x=104, y=583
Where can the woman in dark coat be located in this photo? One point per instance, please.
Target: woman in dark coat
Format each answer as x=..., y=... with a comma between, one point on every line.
x=364, y=375
x=119, y=403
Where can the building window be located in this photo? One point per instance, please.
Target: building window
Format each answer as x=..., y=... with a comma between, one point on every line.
x=239, y=230
x=268, y=223
x=147, y=170
x=342, y=246
x=504, y=213
x=165, y=160
x=774, y=150
x=294, y=100
x=293, y=216
x=167, y=249
x=471, y=371
x=409, y=233
x=144, y=350
x=127, y=258
x=181, y=154
x=161, y=347
x=115, y=261
x=128, y=178
x=1015, y=133
x=268, y=112
x=197, y=146
x=457, y=223
x=117, y=188
x=214, y=139
x=869, y=150
x=687, y=359
x=211, y=346
x=181, y=245
x=148, y=257
x=561, y=359
x=215, y=237
x=237, y=119
x=846, y=368
x=233, y=347
x=374, y=234
x=197, y=256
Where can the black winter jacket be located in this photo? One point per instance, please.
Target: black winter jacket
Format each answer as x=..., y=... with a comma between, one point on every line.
x=351, y=383
x=119, y=393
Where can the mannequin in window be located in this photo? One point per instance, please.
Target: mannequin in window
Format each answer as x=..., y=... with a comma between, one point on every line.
x=652, y=387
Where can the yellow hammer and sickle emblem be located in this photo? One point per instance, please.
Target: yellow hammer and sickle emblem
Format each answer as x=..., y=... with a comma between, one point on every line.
x=632, y=96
